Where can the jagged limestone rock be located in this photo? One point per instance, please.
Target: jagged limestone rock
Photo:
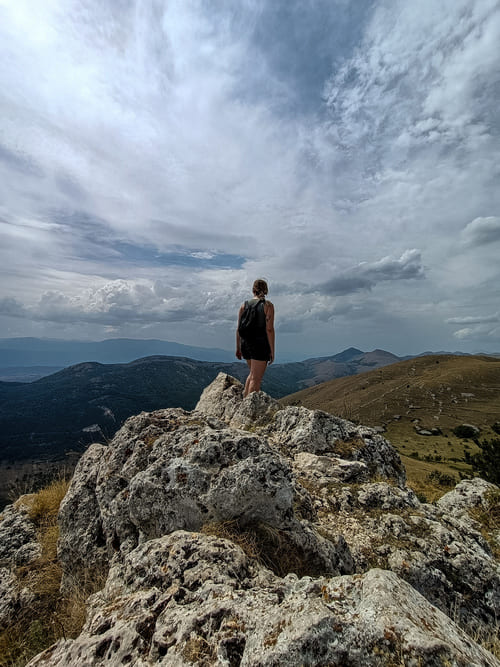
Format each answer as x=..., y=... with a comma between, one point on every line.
x=323, y=471
x=257, y=409
x=19, y=546
x=307, y=493
x=188, y=598
x=444, y=557
x=172, y=470
x=221, y=398
x=297, y=429
x=13, y=597
x=81, y=544
x=384, y=496
x=468, y=494
x=18, y=539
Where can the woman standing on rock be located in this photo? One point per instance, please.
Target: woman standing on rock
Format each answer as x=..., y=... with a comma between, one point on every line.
x=255, y=335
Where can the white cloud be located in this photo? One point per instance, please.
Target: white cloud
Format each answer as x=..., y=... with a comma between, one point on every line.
x=482, y=231
x=136, y=131
x=479, y=333
x=465, y=333
x=120, y=301
x=479, y=319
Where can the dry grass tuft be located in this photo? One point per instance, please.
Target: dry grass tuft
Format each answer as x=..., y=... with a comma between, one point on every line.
x=44, y=505
x=270, y=546
x=490, y=640
x=345, y=448
x=490, y=520
x=52, y=615
x=198, y=651
x=231, y=530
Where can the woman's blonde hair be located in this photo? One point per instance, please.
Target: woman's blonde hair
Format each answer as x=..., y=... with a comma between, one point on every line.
x=260, y=287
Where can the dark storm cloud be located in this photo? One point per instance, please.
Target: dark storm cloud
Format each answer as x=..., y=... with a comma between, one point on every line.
x=10, y=307
x=368, y=275
x=19, y=162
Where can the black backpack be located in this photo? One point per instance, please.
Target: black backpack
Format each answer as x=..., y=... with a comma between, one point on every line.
x=249, y=320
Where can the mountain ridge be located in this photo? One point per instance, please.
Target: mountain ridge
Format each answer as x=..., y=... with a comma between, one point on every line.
x=26, y=359
x=59, y=409
x=31, y=351
x=89, y=401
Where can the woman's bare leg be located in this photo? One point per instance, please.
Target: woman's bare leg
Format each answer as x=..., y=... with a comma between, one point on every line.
x=247, y=383
x=257, y=370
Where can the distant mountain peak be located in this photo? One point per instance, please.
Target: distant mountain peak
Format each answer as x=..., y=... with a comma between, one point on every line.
x=348, y=354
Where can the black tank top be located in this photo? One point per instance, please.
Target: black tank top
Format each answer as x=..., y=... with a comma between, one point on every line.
x=261, y=316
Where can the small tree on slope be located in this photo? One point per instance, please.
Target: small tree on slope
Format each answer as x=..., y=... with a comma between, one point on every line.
x=487, y=462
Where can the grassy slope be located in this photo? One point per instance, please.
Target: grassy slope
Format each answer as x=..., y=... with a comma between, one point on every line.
x=440, y=391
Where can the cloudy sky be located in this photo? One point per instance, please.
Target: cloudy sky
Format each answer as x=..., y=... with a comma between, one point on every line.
x=158, y=155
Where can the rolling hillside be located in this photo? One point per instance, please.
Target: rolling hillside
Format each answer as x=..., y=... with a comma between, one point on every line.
x=90, y=401
x=432, y=395
x=437, y=390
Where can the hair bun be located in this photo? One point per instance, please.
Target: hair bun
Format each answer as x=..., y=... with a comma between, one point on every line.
x=260, y=287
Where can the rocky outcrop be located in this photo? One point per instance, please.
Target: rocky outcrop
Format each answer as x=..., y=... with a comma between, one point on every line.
x=19, y=546
x=82, y=545
x=297, y=429
x=223, y=398
x=13, y=597
x=243, y=533
x=443, y=557
x=468, y=494
x=173, y=470
x=187, y=598
x=18, y=539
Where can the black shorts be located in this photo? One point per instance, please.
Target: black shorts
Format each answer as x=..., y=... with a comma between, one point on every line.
x=257, y=348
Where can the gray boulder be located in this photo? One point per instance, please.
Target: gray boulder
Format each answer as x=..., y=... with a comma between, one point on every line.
x=81, y=544
x=18, y=539
x=444, y=557
x=188, y=598
x=468, y=494
x=296, y=429
x=221, y=398
x=13, y=597
x=19, y=546
x=325, y=471
x=172, y=470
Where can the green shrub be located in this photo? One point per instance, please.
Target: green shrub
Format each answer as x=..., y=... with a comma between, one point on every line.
x=465, y=431
x=487, y=462
x=441, y=479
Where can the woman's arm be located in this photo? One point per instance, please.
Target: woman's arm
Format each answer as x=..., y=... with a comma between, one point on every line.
x=238, y=339
x=269, y=311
